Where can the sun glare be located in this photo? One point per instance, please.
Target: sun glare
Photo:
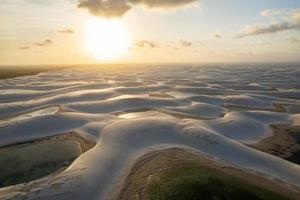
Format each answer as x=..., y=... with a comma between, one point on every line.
x=106, y=39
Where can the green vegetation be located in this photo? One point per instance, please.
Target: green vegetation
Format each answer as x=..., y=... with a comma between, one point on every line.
x=192, y=182
x=11, y=72
x=15, y=71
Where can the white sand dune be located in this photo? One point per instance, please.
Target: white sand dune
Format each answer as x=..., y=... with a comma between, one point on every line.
x=114, y=108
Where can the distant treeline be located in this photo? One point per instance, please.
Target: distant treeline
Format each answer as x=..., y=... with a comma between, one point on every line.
x=15, y=71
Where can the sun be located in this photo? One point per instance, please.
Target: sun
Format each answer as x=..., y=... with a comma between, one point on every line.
x=106, y=39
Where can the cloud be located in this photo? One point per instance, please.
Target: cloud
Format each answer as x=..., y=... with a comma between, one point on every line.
x=44, y=43
x=217, y=35
x=66, y=31
x=272, y=28
x=145, y=43
x=265, y=43
x=117, y=8
x=24, y=47
x=272, y=12
x=163, y=4
x=294, y=40
x=291, y=23
x=185, y=43
x=296, y=15
x=108, y=8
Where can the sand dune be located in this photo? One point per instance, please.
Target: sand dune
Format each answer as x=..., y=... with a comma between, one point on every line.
x=218, y=112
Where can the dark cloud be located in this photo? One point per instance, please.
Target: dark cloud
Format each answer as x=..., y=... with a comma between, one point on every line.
x=117, y=8
x=292, y=23
x=66, y=31
x=185, y=43
x=109, y=8
x=145, y=43
x=44, y=43
x=273, y=28
x=24, y=47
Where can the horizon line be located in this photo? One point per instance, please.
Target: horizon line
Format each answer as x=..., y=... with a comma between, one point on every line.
x=154, y=63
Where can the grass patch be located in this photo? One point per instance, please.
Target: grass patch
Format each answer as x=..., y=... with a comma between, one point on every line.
x=192, y=182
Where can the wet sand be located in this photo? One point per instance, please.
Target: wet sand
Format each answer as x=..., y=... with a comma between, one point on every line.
x=284, y=143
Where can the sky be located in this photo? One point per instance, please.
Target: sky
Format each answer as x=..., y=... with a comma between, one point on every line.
x=49, y=32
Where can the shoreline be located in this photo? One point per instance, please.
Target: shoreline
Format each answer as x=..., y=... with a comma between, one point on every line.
x=29, y=161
